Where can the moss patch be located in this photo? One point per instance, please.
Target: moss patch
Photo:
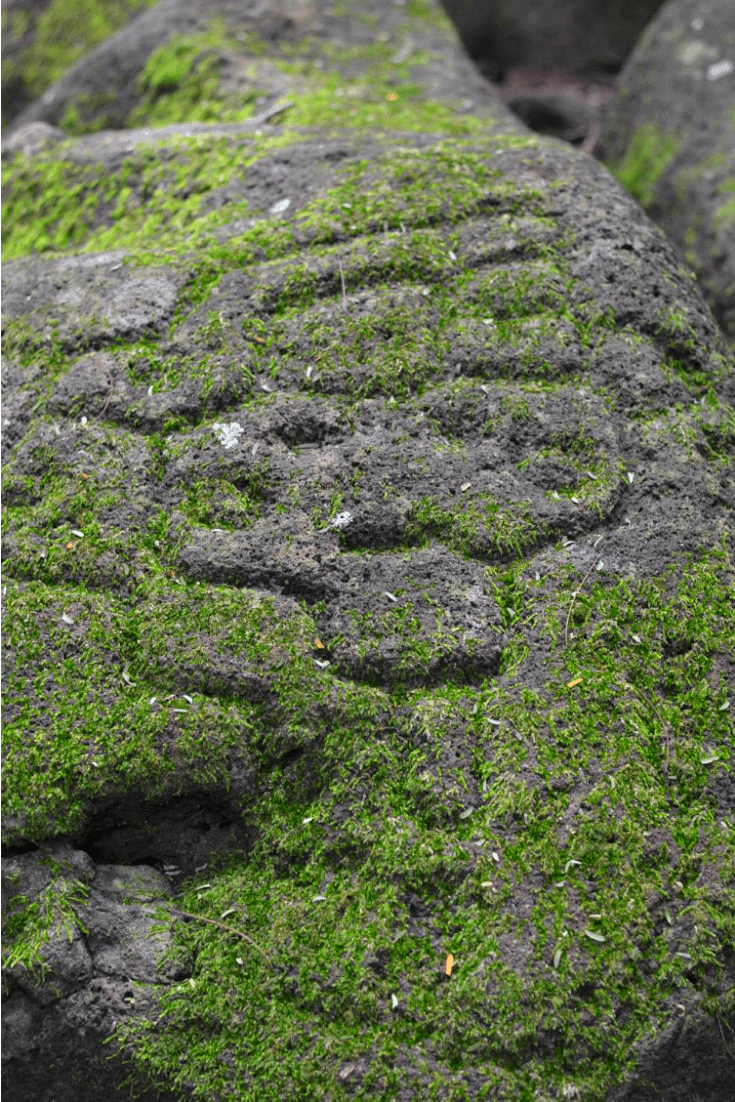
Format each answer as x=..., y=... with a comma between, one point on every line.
x=647, y=157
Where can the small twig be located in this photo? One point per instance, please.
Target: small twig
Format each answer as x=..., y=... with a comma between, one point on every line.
x=593, y=137
x=574, y=598
x=221, y=925
x=728, y=1050
x=344, y=292
x=271, y=113
x=111, y=387
x=665, y=726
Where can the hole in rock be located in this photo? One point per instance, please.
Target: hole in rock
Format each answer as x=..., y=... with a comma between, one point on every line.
x=182, y=833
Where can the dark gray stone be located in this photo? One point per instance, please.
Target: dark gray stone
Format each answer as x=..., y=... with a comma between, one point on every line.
x=669, y=135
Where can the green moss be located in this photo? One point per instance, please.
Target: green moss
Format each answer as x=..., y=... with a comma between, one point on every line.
x=336, y=966
x=647, y=157
x=30, y=924
x=103, y=717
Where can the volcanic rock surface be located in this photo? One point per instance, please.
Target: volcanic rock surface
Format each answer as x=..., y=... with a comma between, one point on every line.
x=367, y=586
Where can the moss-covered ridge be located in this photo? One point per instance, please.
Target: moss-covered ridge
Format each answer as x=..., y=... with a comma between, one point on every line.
x=392, y=526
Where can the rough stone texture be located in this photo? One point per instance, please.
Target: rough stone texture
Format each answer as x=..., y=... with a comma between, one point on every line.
x=367, y=576
x=42, y=38
x=100, y=959
x=576, y=36
x=669, y=135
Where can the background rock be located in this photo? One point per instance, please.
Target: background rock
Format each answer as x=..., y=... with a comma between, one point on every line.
x=670, y=137
x=368, y=501
x=574, y=36
x=42, y=38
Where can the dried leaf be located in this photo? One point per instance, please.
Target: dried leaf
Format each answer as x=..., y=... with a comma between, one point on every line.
x=318, y=643
x=575, y=681
x=449, y=965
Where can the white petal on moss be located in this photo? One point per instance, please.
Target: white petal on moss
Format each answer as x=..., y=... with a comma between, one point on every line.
x=466, y=813
x=594, y=936
x=227, y=434
x=281, y=206
x=391, y=596
x=393, y=1001
x=557, y=958
x=724, y=707
x=67, y=619
x=720, y=69
x=77, y=533
x=318, y=898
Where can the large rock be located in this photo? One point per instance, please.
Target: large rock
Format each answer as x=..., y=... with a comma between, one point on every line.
x=670, y=137
x=368, y=500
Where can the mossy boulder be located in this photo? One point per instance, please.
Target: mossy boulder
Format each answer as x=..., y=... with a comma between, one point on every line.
x=366, y=575
x=669, y=136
